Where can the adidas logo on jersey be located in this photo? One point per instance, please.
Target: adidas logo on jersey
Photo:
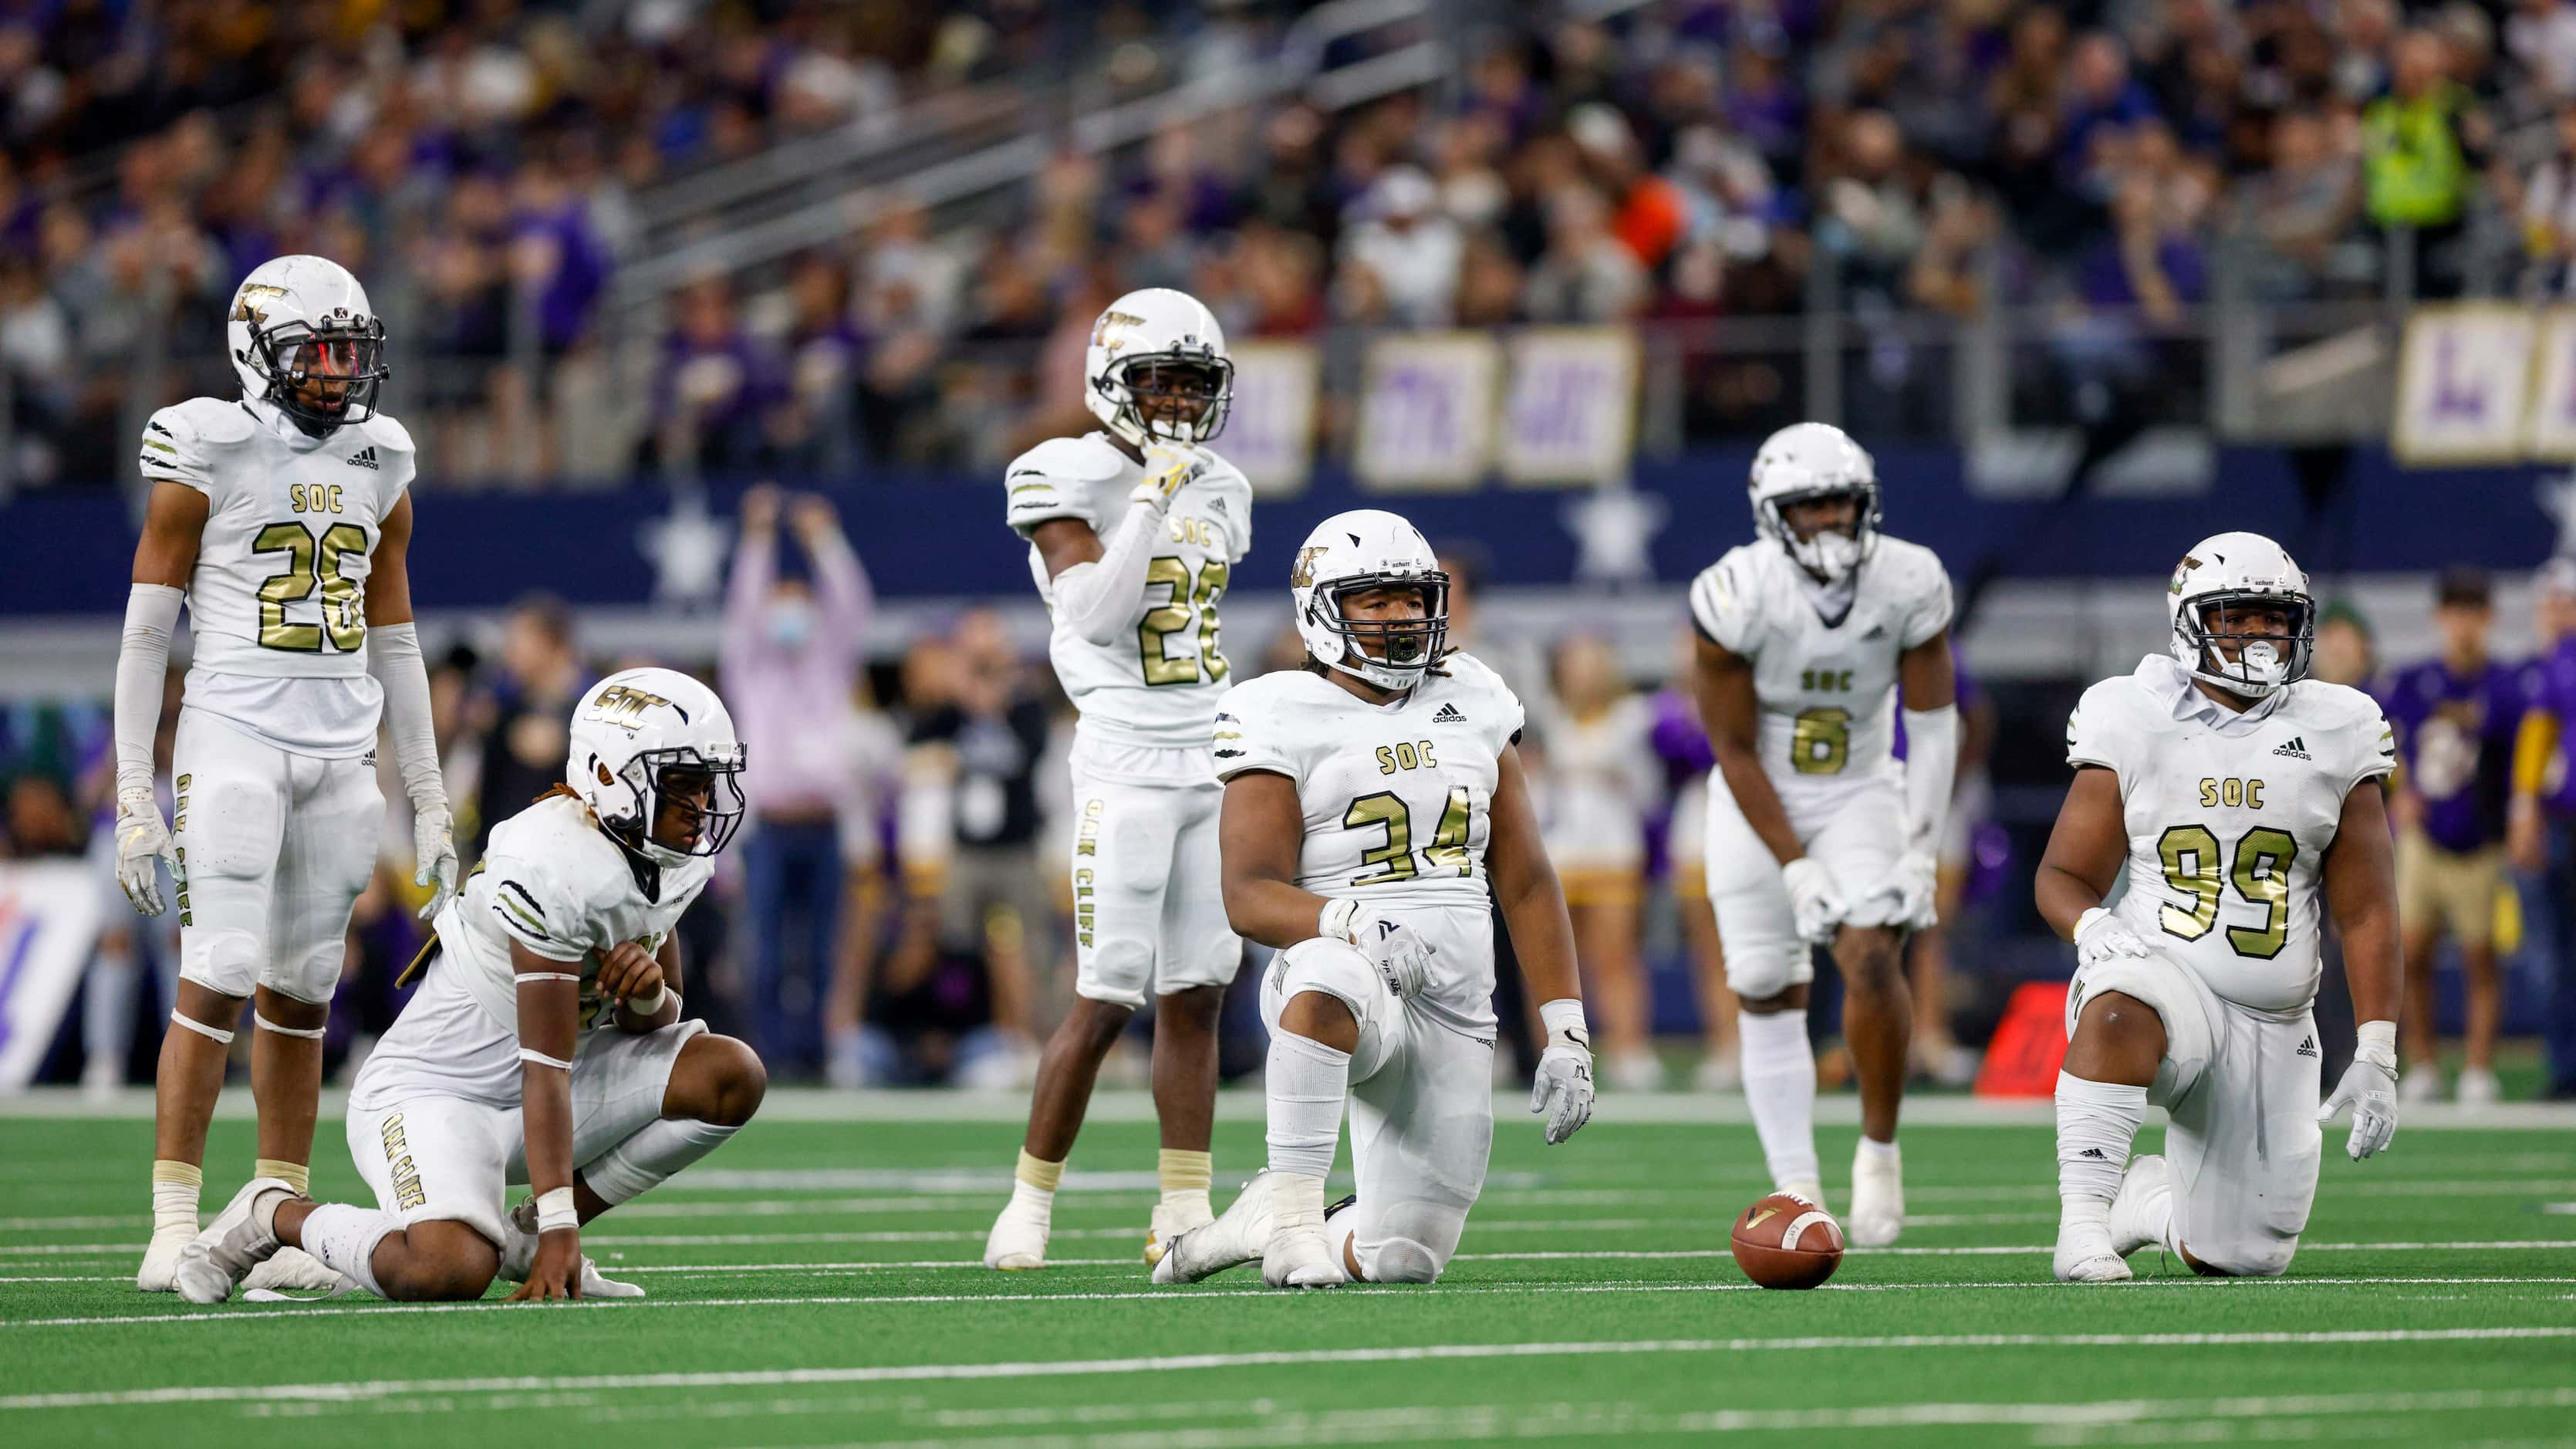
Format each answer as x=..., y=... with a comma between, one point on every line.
x=2296, y=749
x=1876, y=631
x=2307, y=1047
x=1448, y=715
x=363, y=458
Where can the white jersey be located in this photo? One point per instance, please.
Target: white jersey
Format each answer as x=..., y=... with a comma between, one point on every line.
x=1156, y=686
x=1397, y=798
x=277, y=604
x=1827, y=686
x=2229, y=816
x=552, y=881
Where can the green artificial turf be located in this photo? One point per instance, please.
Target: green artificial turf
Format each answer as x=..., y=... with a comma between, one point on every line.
x=814, y=1283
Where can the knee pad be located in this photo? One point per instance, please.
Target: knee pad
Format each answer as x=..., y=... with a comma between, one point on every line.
x=311, y=980
x=1767, y=971
x=227, y=961
x=1335, y=968
x=1402, y=1260
x=2248, y=1258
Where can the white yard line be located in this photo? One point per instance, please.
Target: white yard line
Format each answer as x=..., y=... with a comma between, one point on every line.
x=317, y=1308
x=1174, y=1363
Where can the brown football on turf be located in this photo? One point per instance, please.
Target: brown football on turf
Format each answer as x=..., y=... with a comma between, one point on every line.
x=1785, y=1241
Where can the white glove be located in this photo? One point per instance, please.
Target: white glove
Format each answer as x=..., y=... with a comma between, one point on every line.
x=1169, y=468
x=1562, y=1092
x=2370, y=1085
x=1817, y=905
x=2101, y=936
x=141, y=840
x=433, y=844
x=1398, y=951
x=1918, y=884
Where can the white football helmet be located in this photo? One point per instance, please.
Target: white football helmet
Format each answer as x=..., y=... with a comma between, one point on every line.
x=1348, y=553
x=297, y=318
x=634, y=728
x=1808, y=461
x=1157, y=328
x=2236, y=569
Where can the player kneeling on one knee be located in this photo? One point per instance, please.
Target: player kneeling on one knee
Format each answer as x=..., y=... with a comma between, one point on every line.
x=545, y=1042
x=1366, y=798
x=2240, y=794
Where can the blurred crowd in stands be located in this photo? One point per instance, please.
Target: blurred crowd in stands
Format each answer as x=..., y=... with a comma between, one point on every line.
x=896, y=910
x=2109, y=167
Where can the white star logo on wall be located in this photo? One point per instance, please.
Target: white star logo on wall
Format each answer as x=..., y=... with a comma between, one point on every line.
x=687, y=550
x=1614, y=529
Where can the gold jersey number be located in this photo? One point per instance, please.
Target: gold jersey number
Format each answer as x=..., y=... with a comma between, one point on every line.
x=1187, y=606
x=308, y=562
x=2259, y=869
x=1393, y=860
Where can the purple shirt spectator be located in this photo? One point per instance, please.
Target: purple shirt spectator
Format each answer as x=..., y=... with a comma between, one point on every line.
x=790, y=672
x=2455, y=739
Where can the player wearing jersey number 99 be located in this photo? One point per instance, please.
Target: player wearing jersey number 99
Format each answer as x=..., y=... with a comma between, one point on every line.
x=2193, y=992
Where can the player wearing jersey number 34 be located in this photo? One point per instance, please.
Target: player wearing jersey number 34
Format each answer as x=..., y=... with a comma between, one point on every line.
x=1133, y=534
x=2241, y=795
x=1367, y=797
x=1810, y=639
x=282, y=518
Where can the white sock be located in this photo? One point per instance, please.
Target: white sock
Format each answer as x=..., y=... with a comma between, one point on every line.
x=1306, y=1083
x=1780, y=1089
x=1871, y=1147
x=2095, y=1123
x=647, y=1159
x=345, y=1239
x=175, y=1186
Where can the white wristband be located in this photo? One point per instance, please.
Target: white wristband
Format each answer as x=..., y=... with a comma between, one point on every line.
x=2377, y=1040
x=1333, y=922
x=648, y=1005
x=555, y=1210
x=1563, y=1019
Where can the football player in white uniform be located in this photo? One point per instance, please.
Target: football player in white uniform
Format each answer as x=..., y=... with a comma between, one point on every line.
x=1809, y=638
x=2237, y=792
x=1133, y=533
x=546, y=1040
x=1367, y=795
x=282, y=517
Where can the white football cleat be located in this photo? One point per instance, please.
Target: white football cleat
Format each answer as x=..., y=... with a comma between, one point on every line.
x=161, y=1259
x=1239, y=1235
x=519, y=1255
x=1296, y=1256
x=2478, y=1087
x=2144, y=1206
x=1170, y=1220
x=1019, y=1238
x=2086, y=1254
x=293, y=1269
x=1878, y=1198
x=216, y=1261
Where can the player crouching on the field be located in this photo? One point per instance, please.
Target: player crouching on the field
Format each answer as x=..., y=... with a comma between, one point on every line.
x=1366, y=796
x=2238, y=792
x=546, y=1037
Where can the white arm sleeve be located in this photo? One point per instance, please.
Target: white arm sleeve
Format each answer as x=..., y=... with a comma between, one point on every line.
x=1099, y=599
x=1931, y=767
x=151, y=614
x=393, y=656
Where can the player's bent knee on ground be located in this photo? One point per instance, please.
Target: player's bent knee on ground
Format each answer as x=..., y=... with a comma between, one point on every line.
x=437, y=1262
x=1402, y=1260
